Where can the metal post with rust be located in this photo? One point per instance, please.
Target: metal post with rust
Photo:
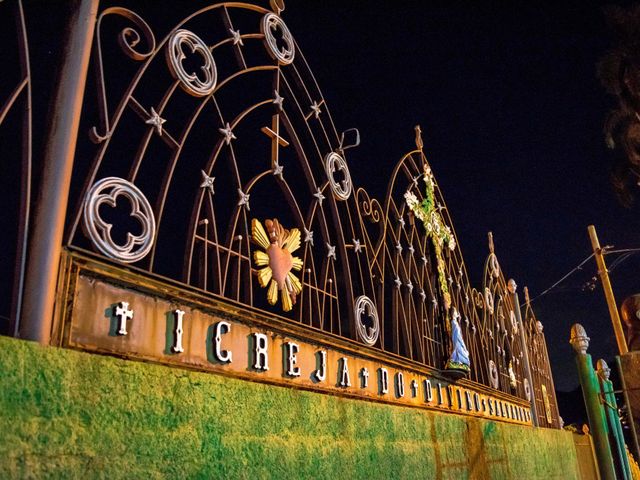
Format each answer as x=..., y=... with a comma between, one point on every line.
x=608, y=291
x=45, y=244
x=593, y=402
x=512, y=287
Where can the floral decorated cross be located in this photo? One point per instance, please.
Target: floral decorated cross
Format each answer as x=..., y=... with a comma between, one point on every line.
x=441, y=236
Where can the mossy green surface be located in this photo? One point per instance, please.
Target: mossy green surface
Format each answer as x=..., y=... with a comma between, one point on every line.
x=68, y=414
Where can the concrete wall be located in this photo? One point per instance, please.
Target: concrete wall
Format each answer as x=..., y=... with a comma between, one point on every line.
x=68, y=414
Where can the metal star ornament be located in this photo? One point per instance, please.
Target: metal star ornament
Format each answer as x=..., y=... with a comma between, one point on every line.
x=315, y=107
x=308, y=236
x=244, y=199
x=357, y=248
x=319, y=196
x=207, y=182
x=331, y=252
x=278, y=100
x=228, y=134
x=237, y=39
x=156, y=120
x=277, y=171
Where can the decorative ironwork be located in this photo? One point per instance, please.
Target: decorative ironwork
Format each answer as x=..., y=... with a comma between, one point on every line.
x=333, y=163
x=191, y=82
x=16, y=150
x=216, y=122
x=368, y=334
x=543, y=390
x=277, y=261
x=106, y=192
x=272, y=22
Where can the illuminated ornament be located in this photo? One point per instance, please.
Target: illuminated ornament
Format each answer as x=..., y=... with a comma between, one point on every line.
x=441, y=236
x=488, y=300
x=107, y=192
x=227, y=133
x=277, y=100
x=368, y=334
x=333, y=162
x=315, y=108
x=459, y=355
x=156, y=121
x=270, y=23
x=512, y=376
x=493, y=375
x=236, y=37
x=197, y=84
x=277, y=261
x=514, y=323
x=207, y=182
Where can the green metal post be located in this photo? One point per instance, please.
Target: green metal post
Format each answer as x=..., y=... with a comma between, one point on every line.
x=593, y=401
x=611, y=407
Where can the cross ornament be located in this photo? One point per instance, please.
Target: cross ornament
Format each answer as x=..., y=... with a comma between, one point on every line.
x=123, y=313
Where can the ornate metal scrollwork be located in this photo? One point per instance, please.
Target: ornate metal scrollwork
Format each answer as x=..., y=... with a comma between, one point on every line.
x=270, y=23
x=368, y=335
x=191, y=82
x=493, y=375
x=332, y=162
x=527, y=390
x=107, y=191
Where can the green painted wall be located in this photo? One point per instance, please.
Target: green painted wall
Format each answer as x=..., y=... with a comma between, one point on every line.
x=68, y=414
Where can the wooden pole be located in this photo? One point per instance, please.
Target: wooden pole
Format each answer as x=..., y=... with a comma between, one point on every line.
x=608, y=291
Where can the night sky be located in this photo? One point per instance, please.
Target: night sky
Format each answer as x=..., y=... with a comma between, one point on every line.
x=512, y=114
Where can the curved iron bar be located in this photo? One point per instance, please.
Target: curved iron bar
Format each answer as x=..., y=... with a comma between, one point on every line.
x=22, y=90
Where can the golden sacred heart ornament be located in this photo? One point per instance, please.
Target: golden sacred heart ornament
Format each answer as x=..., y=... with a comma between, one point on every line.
x=277, y=261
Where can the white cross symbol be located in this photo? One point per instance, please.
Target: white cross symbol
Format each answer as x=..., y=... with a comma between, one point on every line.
x=123, y=313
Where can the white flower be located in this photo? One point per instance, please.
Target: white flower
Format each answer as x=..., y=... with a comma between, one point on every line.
x=452, y=244
x=411, y=199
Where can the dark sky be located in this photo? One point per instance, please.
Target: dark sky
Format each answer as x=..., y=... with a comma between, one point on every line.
x=512, y=114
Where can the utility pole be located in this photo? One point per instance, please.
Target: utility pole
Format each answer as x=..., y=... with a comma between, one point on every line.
x=608, y=291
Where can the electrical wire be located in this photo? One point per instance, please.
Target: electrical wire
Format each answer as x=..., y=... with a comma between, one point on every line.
x=575, y=269
x=606, y=250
